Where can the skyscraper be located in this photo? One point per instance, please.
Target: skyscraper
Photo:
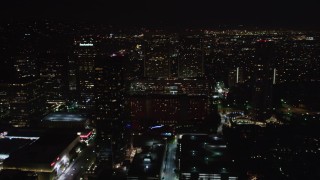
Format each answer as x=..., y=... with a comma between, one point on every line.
x=263, y=74
x=161, y=56
x=190, y=57
x=85, y=53
x=109, y=108
x=20, y=85
x=53, y=71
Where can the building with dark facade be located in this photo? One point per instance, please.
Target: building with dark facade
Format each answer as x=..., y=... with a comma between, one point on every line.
x=25, y=100
x=22, y=96
x=263, y=78
x=201, y=156
x=45, y=158
x=109, y=108
x=171, y=102
x=53, y=71
x=168, y=109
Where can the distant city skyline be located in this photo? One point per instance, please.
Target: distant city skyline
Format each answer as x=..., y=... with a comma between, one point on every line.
x=159, y=90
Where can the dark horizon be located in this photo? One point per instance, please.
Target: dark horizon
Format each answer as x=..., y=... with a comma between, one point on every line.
x=165, y=13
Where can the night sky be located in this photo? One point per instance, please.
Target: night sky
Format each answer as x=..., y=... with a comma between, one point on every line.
x=169, y=12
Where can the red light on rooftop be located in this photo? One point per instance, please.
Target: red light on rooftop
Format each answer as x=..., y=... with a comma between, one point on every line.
x=86, y=135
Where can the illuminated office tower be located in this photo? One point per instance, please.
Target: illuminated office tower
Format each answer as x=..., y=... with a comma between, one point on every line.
x=161, y=56
x=190, y=57
x=85, y=53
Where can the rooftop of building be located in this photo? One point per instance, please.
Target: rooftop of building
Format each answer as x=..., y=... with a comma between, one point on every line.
x=64, y=117
x=148, y=162
x=8, y=146
x=12, y=139
x=43, y=151
x=204, y=154
x=22, y=133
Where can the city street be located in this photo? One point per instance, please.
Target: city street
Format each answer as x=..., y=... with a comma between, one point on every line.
x=169, y=165
x=79, y=165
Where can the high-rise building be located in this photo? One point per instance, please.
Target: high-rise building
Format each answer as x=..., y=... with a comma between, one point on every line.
x=263, y=74
x=85, y=53
x=136, y=60
x=72, y=78
x=161, y=56
x=53, y=71
x=20, y=85
x=191, y=57
x=109, y=109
